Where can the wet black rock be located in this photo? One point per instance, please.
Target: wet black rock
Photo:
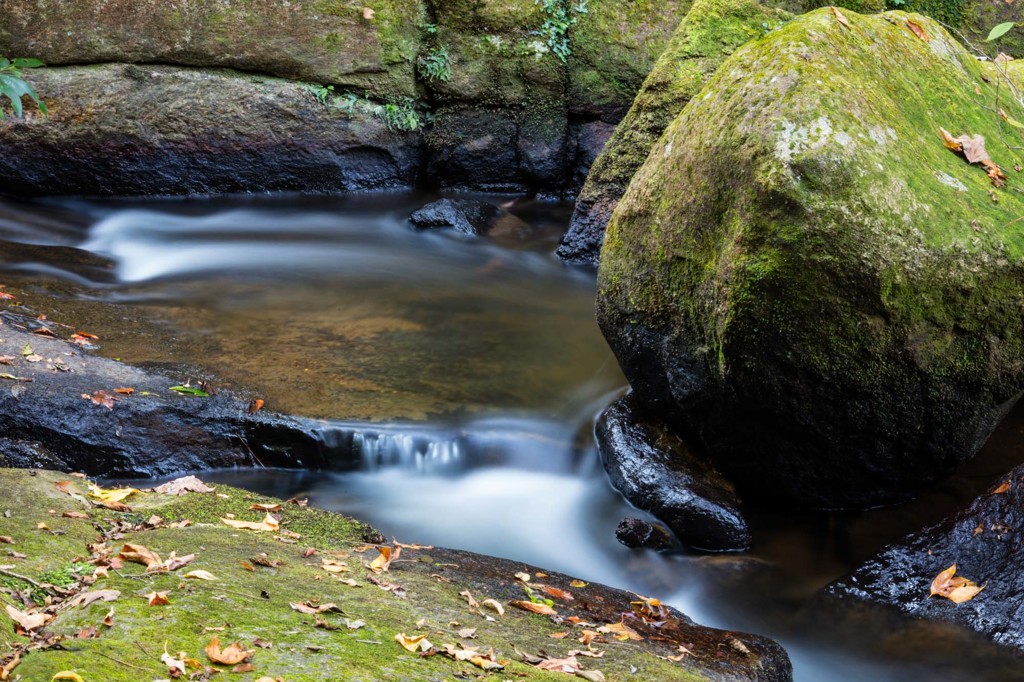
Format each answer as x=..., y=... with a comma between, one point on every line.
x=986, y=542
x=656, y=472
x=640, y=534
x=463, y=215
x=49, y=419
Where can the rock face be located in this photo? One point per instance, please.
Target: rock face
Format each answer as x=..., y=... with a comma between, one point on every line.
x=123, y=129
x=804, y=282
x=986, y=542
x=710, y=32
x=326, y=41
x=656, y=472
x=479, y=76
x=640, y=534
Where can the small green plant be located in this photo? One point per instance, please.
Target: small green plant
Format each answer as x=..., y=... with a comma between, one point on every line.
x=400, y=115
x=324, y=94
x=999, y=31
x=345, y=103
x=429, y=29
x=561, y=15
x=66, y=575
x=14, y=88
x=435, y=65
x=321, y=92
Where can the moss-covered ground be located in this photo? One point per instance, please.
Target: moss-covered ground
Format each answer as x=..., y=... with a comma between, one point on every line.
x=249, y=602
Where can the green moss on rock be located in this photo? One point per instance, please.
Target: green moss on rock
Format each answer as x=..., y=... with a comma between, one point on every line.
x=807, y=282
x=710, y=32
x=249, y=602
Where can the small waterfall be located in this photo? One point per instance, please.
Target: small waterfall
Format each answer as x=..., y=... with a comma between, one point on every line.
x=407, y=451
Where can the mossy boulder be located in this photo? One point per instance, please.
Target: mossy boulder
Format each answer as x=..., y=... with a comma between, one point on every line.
x=259, y=575
x=806, y=283
x=329, y=41
x=710, y=32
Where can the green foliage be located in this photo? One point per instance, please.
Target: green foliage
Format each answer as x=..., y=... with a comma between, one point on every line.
x=561, y=15
x=344, y=102
x=66, y=575
x=435, y=65
x=14, y=88
x=400, y=115
x=949, y=12
x=999, y=31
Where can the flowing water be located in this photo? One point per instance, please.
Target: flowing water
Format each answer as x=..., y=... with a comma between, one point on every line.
x=457, y=382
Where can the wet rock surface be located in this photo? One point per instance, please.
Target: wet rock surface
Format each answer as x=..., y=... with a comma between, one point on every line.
x=986, y=542
x=49, y=418
x=640, y=534
x=656, y=472
x=466, y=216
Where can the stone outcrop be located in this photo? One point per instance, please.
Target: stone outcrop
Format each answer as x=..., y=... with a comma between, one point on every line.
x=806, y=283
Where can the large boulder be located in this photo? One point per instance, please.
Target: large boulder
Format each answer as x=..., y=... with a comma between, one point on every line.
x=806, y=283
x=985, y=540
x=328, y=41
x=710, y=32
x=129, y=129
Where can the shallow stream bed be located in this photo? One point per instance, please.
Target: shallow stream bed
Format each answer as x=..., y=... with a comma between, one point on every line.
x=457, y=382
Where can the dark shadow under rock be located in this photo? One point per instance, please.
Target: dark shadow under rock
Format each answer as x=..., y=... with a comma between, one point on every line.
x=655, y=471
x=467, y=216
x=985, y=540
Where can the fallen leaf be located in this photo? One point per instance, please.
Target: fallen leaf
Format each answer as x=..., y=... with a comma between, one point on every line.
x=124, y=391
x=115, y=495
x=183, y=485
x=4, y=296
x=525, y=577
x=173, y=663
x=68, y=676
x=309, y=609
x=243, y=668
x=577, y=583
x=269, y=523
x=157, y=599
x=1002, y=488
x=384, y=559
x=620, y=631
x=493, y=603
x=561, y=595
x=86, y=598
x=255, y=406
x=368, y=14
x=534, y=607
x=190, y=390
x=414, y=644
x=953, y=587
x=200, y=575
x=918, y=30
x=233, y=654
x=140, y=555
x=28, y=621
x=973, y=149
x=266, y=507
x=6, y=540
x=101, y=398
x=108, y=620
x=467, y=633
x=839, y=16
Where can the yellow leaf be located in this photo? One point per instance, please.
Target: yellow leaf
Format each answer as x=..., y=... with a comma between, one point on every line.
x=116, y=495
x=953, y=587
x=414, y=644
x=67, y=675
x=620, y=631
x=200, y=575
x=577, y=583
x=384, y=559
x=269, y=523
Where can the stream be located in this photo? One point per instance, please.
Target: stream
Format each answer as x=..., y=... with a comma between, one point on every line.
x=456, y=382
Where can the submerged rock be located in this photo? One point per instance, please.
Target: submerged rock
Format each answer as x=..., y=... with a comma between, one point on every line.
x=640, y=534
x=806, y=283
x=54, y=414
x=120, y=129
x=708, y=34
x=269, y=608
x=985, y=540
x=655, y=471
x=467, y=216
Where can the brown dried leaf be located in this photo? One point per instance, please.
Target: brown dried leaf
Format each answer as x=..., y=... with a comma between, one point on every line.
x=269, y=523
x=384, y=559
x=266, y=507
x=140, y=555
x=157, y=599
x=311, y=610
x=839, y=16
x=183, y=485
x=533, y=607
x=26, y=620
x=233, y=654
x=918, y=30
